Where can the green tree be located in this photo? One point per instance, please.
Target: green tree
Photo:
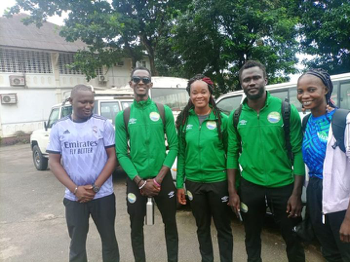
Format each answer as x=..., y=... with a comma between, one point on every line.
x=325, y=33
x=217, y=37
x=125, y=27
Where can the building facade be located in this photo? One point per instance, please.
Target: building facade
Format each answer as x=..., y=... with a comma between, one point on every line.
x=34, y=73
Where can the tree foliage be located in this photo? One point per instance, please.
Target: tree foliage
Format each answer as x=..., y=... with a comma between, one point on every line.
x=217, y=37
x=111, y=30
x=214, y=37
x=325, y=30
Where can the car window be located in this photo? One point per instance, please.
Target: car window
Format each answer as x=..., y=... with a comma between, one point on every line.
x=110, y=109
x=293, y=98
x=126, y=104
x=228, y=104
x=66, y=110
x=53, y=117
x=345, y=95
x=283, y=94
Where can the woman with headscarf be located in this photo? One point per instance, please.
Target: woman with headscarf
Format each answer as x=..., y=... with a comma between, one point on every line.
x=202, y=131
x=328, y=190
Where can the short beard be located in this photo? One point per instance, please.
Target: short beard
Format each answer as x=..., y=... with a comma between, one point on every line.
x=256, y=96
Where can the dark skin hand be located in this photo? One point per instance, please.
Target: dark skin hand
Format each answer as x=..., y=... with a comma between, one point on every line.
x=294, y=204
x=151, y=189
x=234, y=200
x=84, y=193
x=344, y=231
x=181, y=197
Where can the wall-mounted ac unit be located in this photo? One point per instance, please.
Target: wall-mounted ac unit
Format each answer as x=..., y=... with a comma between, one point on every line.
x=102, y=79
x=8, y=98
x=17, y=80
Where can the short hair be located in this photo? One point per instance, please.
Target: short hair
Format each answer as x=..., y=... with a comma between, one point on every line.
x=78, y=88
x=250, y=64
x=140, y=68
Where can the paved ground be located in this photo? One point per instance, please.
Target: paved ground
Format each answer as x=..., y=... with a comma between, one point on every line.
x=33, y=228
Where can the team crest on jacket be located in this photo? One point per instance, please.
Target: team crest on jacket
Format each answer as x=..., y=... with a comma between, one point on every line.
x=211, y=125
x=274, y=117
x=154, y=116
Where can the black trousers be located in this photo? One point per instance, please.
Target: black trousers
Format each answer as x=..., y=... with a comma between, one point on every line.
x=103, y=212
x=255, y=198
x=333, y=250
x=210, y=200
x=166, y=203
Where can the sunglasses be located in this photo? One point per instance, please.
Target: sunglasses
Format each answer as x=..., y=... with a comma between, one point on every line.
x=145, y=80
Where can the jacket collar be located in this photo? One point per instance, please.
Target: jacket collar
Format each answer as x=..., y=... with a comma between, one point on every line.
x=142, y=104
x=267, y=102
x=212, y=116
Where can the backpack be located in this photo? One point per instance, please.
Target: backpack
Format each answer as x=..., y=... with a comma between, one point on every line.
x=126, y=115
x=285, y=109
x=338, y=126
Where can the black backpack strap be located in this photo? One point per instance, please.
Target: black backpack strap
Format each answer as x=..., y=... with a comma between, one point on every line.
x=161, y=111
x=286, y=126
x=235, y=120
x=304, y=123
x=338, y=127
x=126, y=114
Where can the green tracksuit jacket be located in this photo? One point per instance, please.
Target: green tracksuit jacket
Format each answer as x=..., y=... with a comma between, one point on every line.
x=202, y=156
x=147, y=141
x=264, y=158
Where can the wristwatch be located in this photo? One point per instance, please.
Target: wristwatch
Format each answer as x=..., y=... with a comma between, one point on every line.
x=95, y=188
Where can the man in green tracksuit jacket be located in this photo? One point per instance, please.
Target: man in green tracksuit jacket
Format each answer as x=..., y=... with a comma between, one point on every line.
x=268, y=175
x=148, y=165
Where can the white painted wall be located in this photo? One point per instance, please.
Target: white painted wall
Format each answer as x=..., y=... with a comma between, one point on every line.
x=42, y=91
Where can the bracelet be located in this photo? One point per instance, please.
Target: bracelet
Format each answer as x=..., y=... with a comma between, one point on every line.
x=144, y=183
x=75, y=190
x=155, y=182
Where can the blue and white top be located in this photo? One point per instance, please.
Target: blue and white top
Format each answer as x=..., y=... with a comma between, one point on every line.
x=315, y=143
x=83, y=149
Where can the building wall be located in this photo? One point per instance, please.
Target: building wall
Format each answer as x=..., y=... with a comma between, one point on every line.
x=43, y=90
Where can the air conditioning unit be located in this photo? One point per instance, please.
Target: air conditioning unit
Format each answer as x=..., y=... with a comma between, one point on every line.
x=17, y=80
x=8, y=98
x=102, y=79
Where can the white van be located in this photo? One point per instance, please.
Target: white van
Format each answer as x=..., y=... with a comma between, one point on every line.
x=340, y=95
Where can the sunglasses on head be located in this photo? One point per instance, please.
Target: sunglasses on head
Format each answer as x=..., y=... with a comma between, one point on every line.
x=145, y=80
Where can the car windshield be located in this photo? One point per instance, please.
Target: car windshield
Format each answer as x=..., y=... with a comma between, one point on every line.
x=175, y=98
x=111, y=108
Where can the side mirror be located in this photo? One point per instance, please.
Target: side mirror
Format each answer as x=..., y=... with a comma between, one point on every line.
x=45, y=126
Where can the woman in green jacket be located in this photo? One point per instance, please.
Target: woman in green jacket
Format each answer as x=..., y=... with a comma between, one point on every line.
x=202, y=131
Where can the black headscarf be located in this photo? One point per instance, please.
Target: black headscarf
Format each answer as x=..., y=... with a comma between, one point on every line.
x=326, y=80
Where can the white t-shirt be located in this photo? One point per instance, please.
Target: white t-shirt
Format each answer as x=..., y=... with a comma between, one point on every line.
x=83, y=149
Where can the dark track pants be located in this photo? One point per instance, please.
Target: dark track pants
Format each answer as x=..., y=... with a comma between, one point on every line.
x=333, y=250
x=210, y=200
x=103, y=212
x=253, y=196
x=166, y=203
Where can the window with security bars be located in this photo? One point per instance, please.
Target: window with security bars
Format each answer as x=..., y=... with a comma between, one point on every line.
x=66, y=59
x=24, y=61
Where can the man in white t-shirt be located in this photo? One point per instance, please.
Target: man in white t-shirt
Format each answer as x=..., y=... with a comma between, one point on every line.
x=82, y=157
